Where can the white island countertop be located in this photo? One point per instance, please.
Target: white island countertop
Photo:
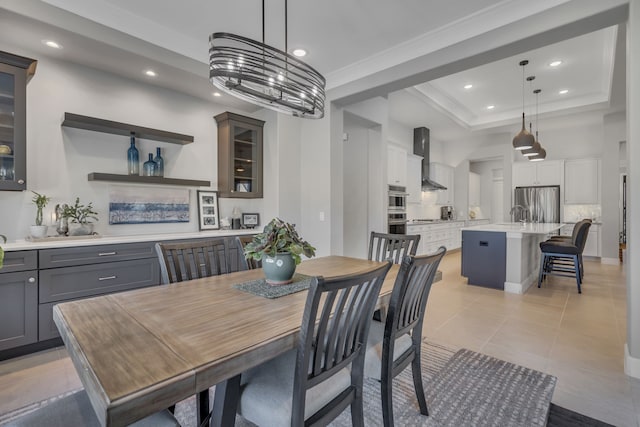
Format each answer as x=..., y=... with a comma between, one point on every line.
x=65, y=242
x=518, y=227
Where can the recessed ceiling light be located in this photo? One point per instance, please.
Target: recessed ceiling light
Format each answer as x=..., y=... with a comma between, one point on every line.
x=564, y=91
x=150, y=73
x=52, y=44
x=555, y=63
x=216, y=94
x=490, y=107
x=468, y=86
x=299, y=52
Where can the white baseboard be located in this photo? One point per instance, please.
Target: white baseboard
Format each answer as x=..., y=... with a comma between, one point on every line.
x=631, y=364
x=521, y=288
x=610, y=261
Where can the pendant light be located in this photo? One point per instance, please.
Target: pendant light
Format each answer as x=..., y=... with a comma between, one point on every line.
x=536, y=145
x=541, y=153
x=265, y=75
x=523, y=140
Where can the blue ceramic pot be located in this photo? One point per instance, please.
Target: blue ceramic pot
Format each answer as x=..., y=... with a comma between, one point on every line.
x=278, y=270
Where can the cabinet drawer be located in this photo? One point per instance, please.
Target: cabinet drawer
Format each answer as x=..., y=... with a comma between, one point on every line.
x=60, y=284
x=19, y=261
x=83, y=255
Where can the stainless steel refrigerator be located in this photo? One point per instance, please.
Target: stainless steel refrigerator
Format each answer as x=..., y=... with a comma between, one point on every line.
x=537, y=204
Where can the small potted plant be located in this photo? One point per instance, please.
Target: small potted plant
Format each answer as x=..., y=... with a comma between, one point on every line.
x=279, y=247
x=39, y=231
x=4, y=240
x=80, y=215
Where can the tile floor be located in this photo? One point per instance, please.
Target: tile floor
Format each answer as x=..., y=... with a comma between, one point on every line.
x=578, y=338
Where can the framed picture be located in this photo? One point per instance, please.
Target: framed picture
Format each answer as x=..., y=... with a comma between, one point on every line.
x=208, y=210
x=250, y=220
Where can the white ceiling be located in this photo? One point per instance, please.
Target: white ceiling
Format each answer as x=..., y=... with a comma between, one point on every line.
x=345, y=40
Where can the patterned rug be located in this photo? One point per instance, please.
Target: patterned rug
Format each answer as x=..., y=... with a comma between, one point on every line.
x=406, y=413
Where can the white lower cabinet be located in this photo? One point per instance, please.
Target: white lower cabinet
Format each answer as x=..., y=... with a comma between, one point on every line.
x=432, y=236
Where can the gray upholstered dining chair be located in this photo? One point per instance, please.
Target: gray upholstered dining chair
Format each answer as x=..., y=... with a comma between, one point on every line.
x=195, y=259
x=396, y=342
x=200, y=258
x=323, y=375
x=76, y=410
x=392, y=246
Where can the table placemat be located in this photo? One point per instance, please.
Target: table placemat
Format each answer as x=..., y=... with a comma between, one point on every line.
x=261, y=288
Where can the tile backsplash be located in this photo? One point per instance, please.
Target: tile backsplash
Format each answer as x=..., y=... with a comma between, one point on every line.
x=575, y=213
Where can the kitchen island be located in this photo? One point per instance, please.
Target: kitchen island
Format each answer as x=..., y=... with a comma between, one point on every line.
x=504, y=256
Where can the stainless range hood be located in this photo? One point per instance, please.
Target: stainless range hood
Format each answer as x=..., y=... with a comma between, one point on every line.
x=421, y=148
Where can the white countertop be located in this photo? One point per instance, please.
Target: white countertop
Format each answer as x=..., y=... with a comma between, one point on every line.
x=21, y=245
x=518, y=227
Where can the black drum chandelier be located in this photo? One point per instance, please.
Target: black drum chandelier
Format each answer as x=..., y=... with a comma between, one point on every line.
x=264, y=75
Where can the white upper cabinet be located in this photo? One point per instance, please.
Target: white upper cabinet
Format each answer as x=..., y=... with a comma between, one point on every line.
x=548, y=172
x=474, y=189
x=581, y=178
x=414, y=179
x=443, y=174
x=396, y=165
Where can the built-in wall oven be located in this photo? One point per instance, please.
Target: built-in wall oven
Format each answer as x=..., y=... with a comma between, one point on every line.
x=397, y=210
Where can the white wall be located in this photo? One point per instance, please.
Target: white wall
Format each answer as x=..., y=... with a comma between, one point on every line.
x=614, y=132
x=356, y=196
x=59, y=158
x=485, y=169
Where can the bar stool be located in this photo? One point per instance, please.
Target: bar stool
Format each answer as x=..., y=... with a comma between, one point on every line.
x=563, y=258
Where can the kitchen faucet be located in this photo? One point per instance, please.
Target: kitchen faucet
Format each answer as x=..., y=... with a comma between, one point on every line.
x=517, y=208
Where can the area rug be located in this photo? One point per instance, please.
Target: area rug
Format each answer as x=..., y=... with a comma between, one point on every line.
x=406, y=413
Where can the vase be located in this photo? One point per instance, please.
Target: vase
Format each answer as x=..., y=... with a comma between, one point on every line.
x=133, y=159
x=278, y=270
x=38, y=231
x=159, y=163
x=76, y=229
x=149, y=167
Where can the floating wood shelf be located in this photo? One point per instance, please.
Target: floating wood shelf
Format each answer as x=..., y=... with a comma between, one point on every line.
x=117, y=128
x=97, y=176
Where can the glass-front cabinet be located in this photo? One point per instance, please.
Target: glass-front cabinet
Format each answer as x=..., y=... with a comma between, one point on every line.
x=239, y=156
x=15, y=71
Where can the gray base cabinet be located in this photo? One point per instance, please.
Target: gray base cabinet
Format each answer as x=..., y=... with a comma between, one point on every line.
x=18, y=300
x=67, y=274
x=484, y=255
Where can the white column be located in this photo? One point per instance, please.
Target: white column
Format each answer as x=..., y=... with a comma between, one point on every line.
x=632, y=347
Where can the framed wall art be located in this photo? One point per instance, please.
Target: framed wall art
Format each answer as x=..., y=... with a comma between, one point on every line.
x=208, y=210
x=250, y=220
x=141, y=205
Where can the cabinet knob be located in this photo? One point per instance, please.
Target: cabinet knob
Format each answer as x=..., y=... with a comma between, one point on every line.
x=21, y=181
x=32, y=280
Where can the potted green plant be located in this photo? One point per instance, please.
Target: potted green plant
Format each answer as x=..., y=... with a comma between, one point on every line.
x=80, y=216
x=38, y=230
x=280, y=248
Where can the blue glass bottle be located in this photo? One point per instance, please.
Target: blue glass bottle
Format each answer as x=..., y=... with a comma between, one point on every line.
x=159, y=163
x=133, y=160
x=149, y=167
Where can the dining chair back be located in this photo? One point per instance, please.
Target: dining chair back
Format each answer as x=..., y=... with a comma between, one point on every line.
x=200, y=258
x=396, y=343
x=392, y=246
x=328, y=360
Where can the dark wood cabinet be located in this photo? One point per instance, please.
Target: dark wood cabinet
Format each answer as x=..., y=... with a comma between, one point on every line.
x=15, y=72
x=239, y=156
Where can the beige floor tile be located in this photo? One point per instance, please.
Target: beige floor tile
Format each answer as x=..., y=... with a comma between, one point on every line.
x=525, y=337
x=515, y=354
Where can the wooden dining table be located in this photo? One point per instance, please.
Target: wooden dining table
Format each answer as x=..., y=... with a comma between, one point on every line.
x=141, y=351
